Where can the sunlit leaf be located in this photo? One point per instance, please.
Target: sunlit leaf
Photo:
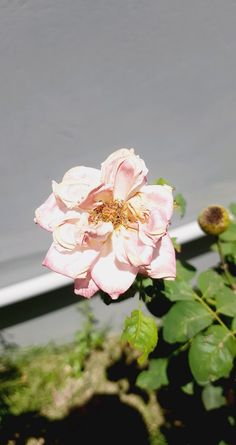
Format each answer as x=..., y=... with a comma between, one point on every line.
x=233, y=325
x=155, y=376
x=209, y=282
x=162, y=181
x=230, y=233
x=184, y=320
x=184, y=271
x=147, y=282
x=228, y=249
x=212, y=397
x=211, y=354
x=226, y=302
x=140, y=331
x=232, y=253
x=178, y=290
x=232, y=208
x=188, y=388
x=176, y=245
x=231, y=420
x=180, y=204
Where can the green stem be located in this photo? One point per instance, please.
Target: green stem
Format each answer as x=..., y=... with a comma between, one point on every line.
x=181, y=348
x=210, y=301
x=213, y=314
x=224, y=265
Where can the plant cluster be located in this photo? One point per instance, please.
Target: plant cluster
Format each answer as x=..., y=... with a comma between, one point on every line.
x=197, y=324
x=110, y=235
x=29, y=377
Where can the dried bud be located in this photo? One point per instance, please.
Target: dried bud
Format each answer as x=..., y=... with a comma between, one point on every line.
x=214, y=220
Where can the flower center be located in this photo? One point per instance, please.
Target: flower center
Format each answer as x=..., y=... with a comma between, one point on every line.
x=116, y=212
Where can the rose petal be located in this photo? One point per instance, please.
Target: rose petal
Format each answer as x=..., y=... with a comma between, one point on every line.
x=83, y=174
x=85, y=286
x=110, y=165
x=163, y=264
x=77, y=183
x=159, y=197
x=95, y=235
x=118, y=246
x=154, y=228
x=138, y=253
x=124, y=170
x=102, y=193
x=72, y=263
x=110, y=275
x=130, y=176
x=65, y=234
x=51, y=213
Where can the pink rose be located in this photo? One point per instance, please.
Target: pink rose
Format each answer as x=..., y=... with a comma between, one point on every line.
x=108, y=226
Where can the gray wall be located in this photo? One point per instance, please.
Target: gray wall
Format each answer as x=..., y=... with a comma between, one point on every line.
x=79, y=79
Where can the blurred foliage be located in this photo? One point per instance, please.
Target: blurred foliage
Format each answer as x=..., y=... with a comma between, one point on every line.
x=28, y=377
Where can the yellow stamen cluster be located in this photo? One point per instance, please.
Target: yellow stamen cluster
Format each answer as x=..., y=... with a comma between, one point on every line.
x=116, y=212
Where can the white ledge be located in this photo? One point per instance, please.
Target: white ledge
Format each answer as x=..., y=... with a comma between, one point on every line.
x=188, y=232
x=51, y=281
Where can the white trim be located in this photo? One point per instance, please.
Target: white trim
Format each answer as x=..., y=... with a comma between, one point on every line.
x=32, y=287
x=51, y=281
x=188, y=232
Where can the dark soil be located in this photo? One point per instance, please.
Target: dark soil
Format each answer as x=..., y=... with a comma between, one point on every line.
x=104, y=420
x=188, y=423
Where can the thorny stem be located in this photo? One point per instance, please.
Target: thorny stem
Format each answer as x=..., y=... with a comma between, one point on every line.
x=224, y=265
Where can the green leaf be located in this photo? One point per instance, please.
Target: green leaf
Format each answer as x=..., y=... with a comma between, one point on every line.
x=231, y=420
x=188, y=388
x=176, y=245
x=178, y=290
x=212, y=397
x=180, y=204
x=184, y=320
x=209, y=283
x=232, y=252
x=184, y=271
x=228, y=249
x=232, y=208
x=226, y=302
x=233, y=325
x=211, y=354
x=162, y=181
x=147, y=282
x=155, y=376
x=140, y=331
x=229, y=234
